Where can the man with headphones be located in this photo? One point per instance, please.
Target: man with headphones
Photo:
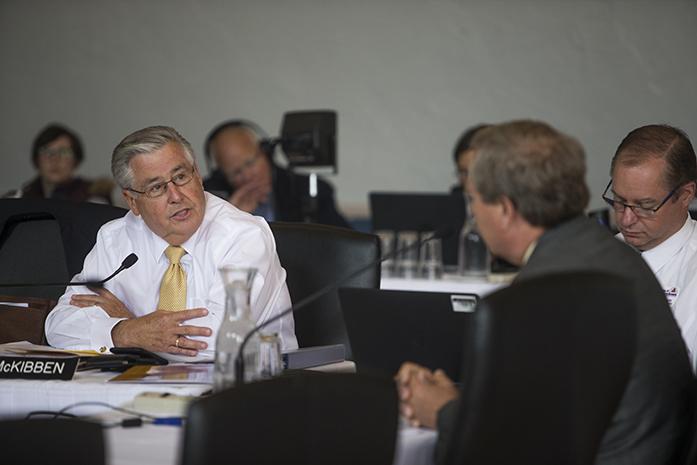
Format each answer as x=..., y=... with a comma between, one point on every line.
x=247, y=177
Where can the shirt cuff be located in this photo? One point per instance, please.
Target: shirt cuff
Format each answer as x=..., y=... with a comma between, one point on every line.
x=100, y=337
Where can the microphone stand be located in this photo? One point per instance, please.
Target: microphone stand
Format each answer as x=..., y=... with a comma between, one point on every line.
x=239, y=361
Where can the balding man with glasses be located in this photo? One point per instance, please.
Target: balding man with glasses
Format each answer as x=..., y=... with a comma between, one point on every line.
x=173, y=299
x=654, y=175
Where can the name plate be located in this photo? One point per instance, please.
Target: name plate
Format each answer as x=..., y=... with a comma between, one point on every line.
x=20, y=367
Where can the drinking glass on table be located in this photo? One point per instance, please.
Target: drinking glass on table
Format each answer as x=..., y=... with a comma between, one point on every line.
x=387, y=243
x=431, y=264
x=270, y=361
x=408, y=257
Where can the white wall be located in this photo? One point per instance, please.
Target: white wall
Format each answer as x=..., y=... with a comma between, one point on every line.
x=405, y=76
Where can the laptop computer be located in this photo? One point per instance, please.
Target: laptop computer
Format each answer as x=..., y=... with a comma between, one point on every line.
x=422, y=212
x=414, y=211
x=386, y=328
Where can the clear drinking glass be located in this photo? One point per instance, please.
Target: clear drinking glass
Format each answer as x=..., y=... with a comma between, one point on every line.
x=387, y=244
x=432, y=259
x=473, y=255
x=408, y=257
x=270, y=361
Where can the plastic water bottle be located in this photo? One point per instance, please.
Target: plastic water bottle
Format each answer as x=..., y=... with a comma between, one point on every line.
x=236, y=325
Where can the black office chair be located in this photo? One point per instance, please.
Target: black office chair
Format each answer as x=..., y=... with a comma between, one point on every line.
x=308, y=418
x=688, y=455
x=51, y=441
x=42, y=241
x=315, y=255
x=47, y=241
x=546, y=368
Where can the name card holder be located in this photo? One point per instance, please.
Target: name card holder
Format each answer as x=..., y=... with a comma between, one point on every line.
x=38, y=367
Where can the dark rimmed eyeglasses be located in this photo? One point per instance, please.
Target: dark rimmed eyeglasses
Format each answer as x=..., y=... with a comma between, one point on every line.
x=159, y=189
x=638, y=210
x=60, y=152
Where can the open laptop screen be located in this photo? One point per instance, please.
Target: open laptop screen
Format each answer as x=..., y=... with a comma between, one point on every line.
x=386, y=328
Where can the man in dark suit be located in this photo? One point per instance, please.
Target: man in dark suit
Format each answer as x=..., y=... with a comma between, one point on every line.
x=247, y=177
x=528, y=193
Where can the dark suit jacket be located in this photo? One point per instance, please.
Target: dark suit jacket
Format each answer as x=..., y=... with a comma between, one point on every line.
x=290, y=194
x=649, y=425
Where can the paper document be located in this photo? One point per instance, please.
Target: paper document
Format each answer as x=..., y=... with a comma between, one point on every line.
x=27, y=348
x=174, y=373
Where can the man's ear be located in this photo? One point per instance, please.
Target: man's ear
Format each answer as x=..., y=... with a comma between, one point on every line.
x=197, y=174
x=688, y=193
x=131, y=202
x=508, y=211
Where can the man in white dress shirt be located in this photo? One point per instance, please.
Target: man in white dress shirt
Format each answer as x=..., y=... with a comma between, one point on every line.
x=654, y=172
x=156, y=169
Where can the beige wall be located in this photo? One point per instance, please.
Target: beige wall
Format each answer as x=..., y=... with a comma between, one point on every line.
x=405, y=76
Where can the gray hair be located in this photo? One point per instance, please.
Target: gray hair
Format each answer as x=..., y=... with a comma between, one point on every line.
x=142, y=142
x=541, y=170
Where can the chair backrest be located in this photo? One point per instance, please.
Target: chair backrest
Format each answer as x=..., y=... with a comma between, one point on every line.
x=55, y=441
x=308, y=418
x=314, y=256
x=689, y=451
x=545, y=370
x=31, y=251
x=42, y=241
x=78, y=223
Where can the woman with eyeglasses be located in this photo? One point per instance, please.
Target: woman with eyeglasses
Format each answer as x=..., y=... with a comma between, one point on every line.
x=56, y=154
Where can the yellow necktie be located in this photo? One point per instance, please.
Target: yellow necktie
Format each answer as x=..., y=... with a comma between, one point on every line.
x=173, y=286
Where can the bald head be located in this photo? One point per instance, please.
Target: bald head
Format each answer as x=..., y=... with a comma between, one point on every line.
x=238, y=155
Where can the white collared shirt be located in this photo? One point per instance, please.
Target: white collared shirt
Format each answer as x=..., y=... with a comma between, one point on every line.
x=674, y=262
x=227, y=236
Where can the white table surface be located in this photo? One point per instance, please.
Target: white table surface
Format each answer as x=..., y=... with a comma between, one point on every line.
x=449, y=283
x=18, y=397
x=153, y=444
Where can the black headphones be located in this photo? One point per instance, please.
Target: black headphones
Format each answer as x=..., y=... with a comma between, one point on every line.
x=236, y=124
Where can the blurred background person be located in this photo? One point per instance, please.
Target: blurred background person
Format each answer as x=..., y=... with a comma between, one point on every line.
x=462, y=156
x=246, y=175
x=56, y=153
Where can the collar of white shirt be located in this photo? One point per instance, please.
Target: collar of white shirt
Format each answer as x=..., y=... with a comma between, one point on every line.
x=666, y=250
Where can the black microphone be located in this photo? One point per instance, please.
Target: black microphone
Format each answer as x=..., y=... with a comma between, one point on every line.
x=440, y=233
x=125, y=264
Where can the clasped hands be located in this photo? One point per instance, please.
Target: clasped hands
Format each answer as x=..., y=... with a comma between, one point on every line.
x=160, y=331
x=422, y=393
x=248, y=196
